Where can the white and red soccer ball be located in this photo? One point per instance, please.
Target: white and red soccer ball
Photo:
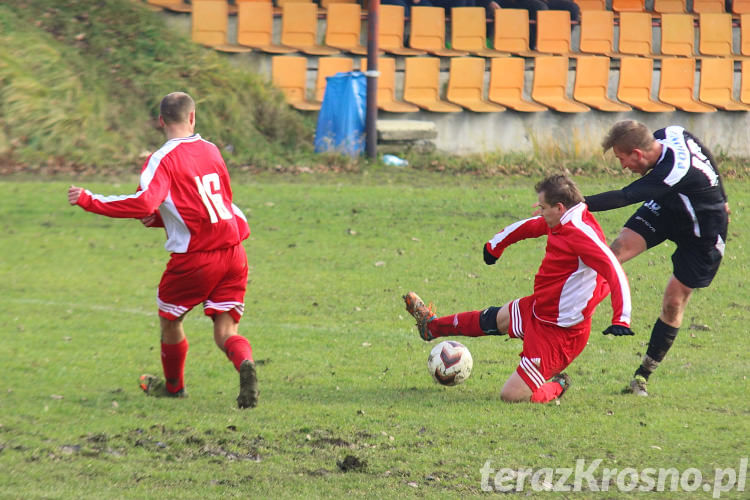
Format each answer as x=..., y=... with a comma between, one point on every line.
x=450, y=363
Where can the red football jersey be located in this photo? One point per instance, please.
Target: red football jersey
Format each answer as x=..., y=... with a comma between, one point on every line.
x=578, y=269
x=188, y=182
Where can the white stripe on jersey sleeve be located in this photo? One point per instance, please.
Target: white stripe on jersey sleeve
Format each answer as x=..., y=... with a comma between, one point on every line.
x=508, y=230
x=114, y=197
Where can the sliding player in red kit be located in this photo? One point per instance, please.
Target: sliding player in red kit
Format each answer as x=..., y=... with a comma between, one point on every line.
x=185, y=189
x=578, y=271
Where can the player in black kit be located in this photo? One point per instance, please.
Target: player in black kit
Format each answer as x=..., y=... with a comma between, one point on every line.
x=685, y=203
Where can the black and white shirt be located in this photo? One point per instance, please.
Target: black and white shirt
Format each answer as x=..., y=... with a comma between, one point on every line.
x=684, y=182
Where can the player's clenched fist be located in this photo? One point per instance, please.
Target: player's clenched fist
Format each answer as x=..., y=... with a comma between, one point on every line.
x=74, y=192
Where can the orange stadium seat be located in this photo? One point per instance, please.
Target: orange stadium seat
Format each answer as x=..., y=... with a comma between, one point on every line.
x=677, y=85
x=635, y=85
x=343, y=27
x=740, y=7
x=715, y=31
x=592, y=84
x=329, y=66
x=670, y=6
x=428, y=32
x=255, y=27
x=591, y=4
x=210, y=21
x=391, y=31
x=469, y=31
x=512, y=32
x=636, y=36
x=289, y=73
x=299, y=29
x=422, y=85
x=280, y=4
x=551, y=84
x=553, y=32
x=507, y=84
x=326, y=4
x=745, y=85
x=677, y=35
x=706, y=6
x=387, y=87
x=629, y=6
x=466, y=85
x=597, y=32
x=745, y=34
x=717, y=84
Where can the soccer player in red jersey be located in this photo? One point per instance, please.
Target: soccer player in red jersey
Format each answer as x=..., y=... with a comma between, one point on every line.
x=185, y=188
x=577, y=272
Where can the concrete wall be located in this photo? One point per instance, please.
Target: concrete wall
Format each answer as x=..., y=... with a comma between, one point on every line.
x=510, y=131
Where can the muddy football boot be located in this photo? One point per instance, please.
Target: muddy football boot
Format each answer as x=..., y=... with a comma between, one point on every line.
x=248, y=396
x=155, y=386
x=422, y=313
x=637, y=386
x=564, y=380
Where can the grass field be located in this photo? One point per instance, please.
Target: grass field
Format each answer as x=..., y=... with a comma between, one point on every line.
x=347, y=407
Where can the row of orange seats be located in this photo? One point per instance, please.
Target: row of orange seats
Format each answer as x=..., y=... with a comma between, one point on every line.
x=738, y=7
x=550, y=90
x=299, y=31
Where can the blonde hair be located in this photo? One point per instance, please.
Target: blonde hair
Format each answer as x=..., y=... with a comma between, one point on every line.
x=628, y=135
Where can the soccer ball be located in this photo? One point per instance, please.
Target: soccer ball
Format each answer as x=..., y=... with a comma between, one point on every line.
x=450, y=363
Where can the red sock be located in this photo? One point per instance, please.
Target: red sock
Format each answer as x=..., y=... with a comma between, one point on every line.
x=546, y=393
x=238, y=350
x=173, y=362
x=465, y=324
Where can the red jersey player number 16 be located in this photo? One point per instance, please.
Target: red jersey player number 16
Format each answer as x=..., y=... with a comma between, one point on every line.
x=185, y=188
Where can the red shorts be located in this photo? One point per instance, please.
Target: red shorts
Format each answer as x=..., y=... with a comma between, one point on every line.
x=547, y=348
x=217, y=278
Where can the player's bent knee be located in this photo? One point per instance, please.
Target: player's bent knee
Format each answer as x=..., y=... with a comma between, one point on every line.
x=515, y=390
x=514, y=397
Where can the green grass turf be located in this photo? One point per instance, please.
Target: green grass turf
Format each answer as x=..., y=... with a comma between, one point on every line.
x=342, y=370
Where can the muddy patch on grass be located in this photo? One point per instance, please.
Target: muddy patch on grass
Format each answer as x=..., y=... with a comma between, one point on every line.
x=350, y=463
x=323, y=442
x=169, y=444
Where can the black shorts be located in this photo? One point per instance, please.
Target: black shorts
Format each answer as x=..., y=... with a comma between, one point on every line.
x=696, y=259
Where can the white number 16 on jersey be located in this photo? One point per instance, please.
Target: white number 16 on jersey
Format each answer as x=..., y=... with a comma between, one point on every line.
x=209, y=188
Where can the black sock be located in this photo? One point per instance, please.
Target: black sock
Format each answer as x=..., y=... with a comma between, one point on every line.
x=662, y=337
x=488, y=321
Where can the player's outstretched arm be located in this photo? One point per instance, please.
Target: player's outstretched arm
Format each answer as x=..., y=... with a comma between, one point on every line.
x=521, y=230
x=618, y=331
x=74, y=192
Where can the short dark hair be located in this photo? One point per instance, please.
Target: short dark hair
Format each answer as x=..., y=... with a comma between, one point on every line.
x=559, y=188
x=176, y=107
x=628, y=135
